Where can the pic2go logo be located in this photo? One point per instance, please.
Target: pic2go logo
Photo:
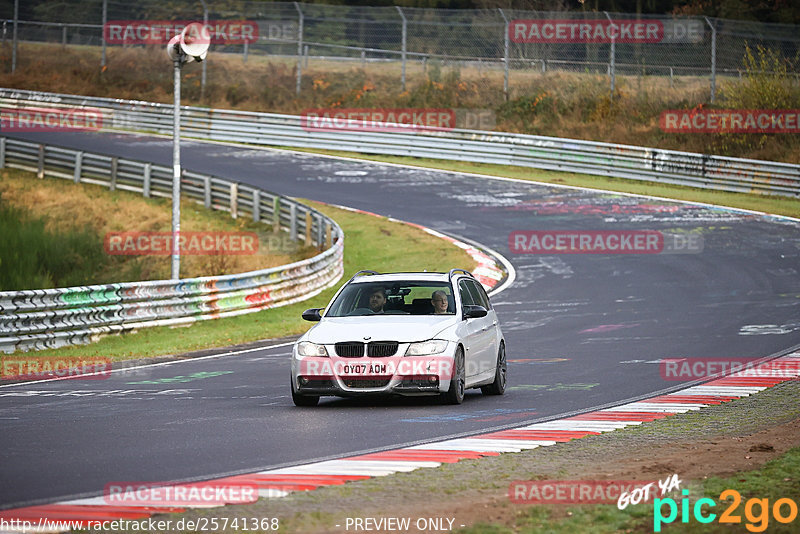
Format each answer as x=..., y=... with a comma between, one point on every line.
x=756, y=511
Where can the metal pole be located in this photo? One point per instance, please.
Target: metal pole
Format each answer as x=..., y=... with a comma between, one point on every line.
x=405, y=30
x=64, y=36
x=713, y=59
x=105, y=20
x=299, y=47
x=505, y=53
x=176, y=170
x=14, y=37
x=612, y=53
x=203, y=73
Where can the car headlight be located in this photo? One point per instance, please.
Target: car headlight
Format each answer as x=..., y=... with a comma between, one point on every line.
x=306, y=348
x=424, y=348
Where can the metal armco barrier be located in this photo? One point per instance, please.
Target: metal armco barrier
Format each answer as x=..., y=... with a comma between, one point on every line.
x=47, y=318
x=586, y=157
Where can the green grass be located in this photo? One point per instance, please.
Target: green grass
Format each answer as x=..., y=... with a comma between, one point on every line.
x=370, y=243
x=47, y=241
x=777, y=479
x=32, y=257
x=765, y=203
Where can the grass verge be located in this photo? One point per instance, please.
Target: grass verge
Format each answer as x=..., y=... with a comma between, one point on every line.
x=53, y=235
x=774, y=481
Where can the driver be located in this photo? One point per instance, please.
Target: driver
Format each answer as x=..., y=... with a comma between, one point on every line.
x=439, y=301
x=377, y=299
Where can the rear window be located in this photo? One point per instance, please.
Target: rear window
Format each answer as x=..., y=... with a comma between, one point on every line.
x=391, y=298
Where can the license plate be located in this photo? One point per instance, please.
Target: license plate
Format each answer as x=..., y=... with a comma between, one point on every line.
x=363, y=369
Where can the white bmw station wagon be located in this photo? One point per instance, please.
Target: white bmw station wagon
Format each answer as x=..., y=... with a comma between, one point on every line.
x=401, y=333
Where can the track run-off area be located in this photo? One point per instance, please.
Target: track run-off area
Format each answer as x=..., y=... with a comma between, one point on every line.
x=582, y=330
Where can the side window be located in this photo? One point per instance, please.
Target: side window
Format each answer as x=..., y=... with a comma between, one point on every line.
x=466, y=294
x=479, y=295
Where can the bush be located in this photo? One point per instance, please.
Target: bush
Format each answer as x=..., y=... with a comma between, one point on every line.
x=766, y=84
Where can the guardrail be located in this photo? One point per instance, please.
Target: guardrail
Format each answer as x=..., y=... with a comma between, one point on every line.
x=551, y=153
x=48, y=318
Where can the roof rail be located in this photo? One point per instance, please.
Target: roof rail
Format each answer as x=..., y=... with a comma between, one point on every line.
x=359, y=273
x=454, y=271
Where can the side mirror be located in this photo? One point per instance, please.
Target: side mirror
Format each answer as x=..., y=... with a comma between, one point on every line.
x=312, y=314
x=473, y=312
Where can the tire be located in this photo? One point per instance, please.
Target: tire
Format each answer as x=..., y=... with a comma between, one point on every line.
x=304, y=400
x=498, y=387
x=455, y=395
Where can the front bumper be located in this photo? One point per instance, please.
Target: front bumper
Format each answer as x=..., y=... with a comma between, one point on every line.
x=347, y=377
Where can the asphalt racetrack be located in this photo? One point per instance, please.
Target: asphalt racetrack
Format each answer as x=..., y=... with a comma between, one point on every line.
x=582, y=330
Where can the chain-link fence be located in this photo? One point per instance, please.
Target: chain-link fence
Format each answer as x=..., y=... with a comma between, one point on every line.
x=499, y=47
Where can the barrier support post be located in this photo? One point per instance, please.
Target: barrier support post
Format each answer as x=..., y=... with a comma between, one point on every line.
x=293, y=222
x=256, y=205
x=78, y=167
x=112, y=186
x=234, y=200
x=207, y=191
x=40, y=167
x=148, y=169
x=276, y=214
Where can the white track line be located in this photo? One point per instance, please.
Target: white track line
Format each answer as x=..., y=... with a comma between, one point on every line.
x=159, y=364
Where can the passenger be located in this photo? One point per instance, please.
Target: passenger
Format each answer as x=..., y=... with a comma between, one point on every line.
x=377, y=299
x=439, y=301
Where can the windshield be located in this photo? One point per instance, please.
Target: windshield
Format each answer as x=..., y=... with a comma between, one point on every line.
x=394, y=298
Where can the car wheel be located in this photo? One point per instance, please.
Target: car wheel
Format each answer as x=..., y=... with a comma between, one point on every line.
x=455, y=395
x=498, y=387
x=304, y=400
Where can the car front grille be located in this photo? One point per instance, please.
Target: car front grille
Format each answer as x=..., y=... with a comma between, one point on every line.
x=375, y=349
x=350, y=349
x=382, y=349
x=361, y=383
